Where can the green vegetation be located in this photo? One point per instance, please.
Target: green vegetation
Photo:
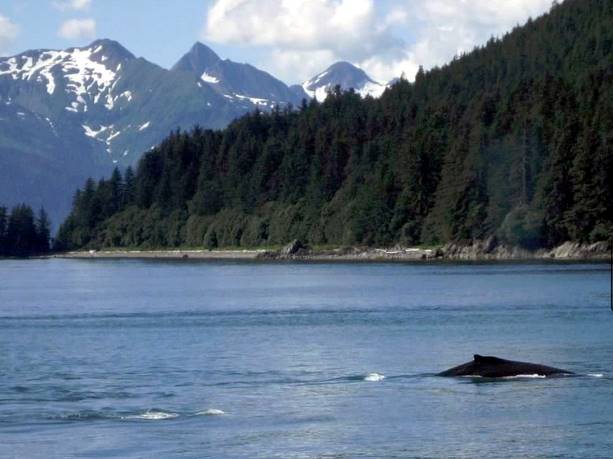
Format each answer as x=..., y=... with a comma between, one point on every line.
x=512, y=140
x=22, y=234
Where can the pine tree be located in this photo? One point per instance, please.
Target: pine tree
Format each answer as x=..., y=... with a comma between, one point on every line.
x=43, y=232
x=129, y=188
x=116, y=191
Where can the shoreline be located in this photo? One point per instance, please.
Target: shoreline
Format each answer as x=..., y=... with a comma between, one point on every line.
x=474, y=252
x=194, y=254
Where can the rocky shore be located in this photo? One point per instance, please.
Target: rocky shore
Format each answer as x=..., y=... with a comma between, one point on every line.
x=487, y=250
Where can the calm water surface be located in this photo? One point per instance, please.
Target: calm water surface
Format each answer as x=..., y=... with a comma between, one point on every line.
x=130, y=359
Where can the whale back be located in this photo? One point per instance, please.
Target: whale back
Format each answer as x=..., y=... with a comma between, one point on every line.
x=488, y=360
x=495, y=367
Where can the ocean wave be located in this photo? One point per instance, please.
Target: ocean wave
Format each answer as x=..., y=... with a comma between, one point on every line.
x=85, y=415
x=374, y=377
x=148, y=415
x=153, y=415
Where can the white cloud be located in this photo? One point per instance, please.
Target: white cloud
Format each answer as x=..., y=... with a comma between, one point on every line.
x=305, y=36
x=78, y=28
x=294, y=24
x=298, y=66
x=8, y=32
x=72, y=5
x=301, y=31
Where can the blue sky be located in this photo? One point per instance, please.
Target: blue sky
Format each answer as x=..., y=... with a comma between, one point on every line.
x=292, y=39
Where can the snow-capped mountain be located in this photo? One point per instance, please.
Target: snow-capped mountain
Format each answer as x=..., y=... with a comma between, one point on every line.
x=345, y=75
x=106, y=94
x=69, y=114
x=241, y=83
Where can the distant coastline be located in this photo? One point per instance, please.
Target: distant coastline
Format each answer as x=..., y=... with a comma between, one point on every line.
x=476, y=251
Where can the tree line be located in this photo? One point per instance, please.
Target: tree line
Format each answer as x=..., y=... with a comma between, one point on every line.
x=511, y=141
x=22, y=233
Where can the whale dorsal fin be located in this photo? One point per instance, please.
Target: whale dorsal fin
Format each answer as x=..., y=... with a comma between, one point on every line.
x=485, y=359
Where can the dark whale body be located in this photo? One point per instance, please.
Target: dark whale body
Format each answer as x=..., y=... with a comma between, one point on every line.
x=494, y=367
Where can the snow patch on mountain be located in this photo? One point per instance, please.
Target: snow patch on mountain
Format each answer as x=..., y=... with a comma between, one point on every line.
x=89, y=132
x=104, y=134
x=256, y=101
x=85, y=76
x=209, y=78
x=111, y=137
x=313, y=83
x=316, y=92
x=26, y=69
x=81, y=71
x=372, y=89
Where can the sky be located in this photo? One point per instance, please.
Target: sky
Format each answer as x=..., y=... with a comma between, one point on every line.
x=292, y=39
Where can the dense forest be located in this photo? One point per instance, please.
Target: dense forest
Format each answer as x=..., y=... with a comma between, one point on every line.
x=513, y=140
x=22, y=233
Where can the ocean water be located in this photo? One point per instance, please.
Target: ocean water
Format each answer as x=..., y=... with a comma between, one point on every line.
x=186, y=359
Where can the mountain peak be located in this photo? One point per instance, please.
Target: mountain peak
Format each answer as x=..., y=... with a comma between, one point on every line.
x=110, y=47
x=344, y=66
x=197, y=59
x=243, y=84
x=345, y=75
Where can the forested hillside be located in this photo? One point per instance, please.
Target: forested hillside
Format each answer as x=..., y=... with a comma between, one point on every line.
x=512, y=140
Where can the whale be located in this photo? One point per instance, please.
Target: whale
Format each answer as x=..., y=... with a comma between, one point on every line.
x=495, y=367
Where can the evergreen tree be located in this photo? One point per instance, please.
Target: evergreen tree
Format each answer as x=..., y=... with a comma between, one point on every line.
x=43, y=232
x=129, y=188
